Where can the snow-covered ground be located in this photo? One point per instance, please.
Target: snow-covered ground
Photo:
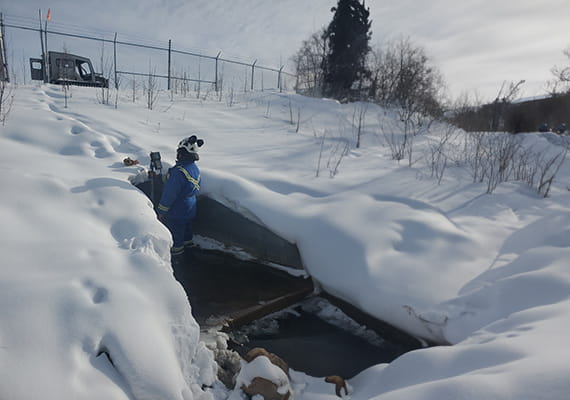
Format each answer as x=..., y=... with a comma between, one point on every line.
x=89, y=307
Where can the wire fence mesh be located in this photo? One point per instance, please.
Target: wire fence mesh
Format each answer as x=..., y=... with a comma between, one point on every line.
x=122, y=59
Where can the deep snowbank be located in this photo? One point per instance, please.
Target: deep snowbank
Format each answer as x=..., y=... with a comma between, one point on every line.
x=85, y=263
x=90, y=308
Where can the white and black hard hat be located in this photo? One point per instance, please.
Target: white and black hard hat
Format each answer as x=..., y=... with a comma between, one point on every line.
x=190, y=144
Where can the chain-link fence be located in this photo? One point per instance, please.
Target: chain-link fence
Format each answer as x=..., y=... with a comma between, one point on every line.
x=173, y=67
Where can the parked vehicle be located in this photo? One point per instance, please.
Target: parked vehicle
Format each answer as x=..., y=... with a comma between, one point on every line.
x=66, y=69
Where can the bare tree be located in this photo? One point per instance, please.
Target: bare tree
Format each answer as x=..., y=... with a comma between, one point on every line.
x=106, y=66
x=499, y=107
x=561, y=81
x=402, y=76
x=309, y=64
x=6, y=100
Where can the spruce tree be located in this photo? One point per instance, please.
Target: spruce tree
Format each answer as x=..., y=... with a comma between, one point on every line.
x=348, y=36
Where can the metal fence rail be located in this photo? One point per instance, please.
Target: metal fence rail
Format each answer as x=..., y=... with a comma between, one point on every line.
x=44, y=32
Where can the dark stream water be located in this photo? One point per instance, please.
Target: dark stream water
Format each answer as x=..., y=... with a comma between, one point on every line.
x=317, y=347
x=218, y=285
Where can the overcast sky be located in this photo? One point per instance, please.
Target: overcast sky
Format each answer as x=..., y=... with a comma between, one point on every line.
x=476, y=44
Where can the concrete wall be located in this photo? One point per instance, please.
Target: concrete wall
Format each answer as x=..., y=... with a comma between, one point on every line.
x=216, y=221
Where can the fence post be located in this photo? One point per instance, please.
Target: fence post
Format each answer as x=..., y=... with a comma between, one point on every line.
x=47, y=67
x=44, y=58
x=252, y=72
x=216, y=77
x=279, y=86
x=115, y=60
x=169, y=58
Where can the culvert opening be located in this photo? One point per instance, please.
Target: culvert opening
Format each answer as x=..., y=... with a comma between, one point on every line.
x=265, y=306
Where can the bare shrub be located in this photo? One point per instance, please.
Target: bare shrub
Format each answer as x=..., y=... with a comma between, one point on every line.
x=526, y=167
x=400, y=133
x=491, y=157
x=67, y=93
x=117, y=86
x=494, y=158
x=338, y=152
x=230, y=97
x=548, y=168
x=538, y=169
x=220, y=86
x=499, y=159
x=474, y=151
x=395, y=142
x=358, y=120
x=134, y=86
x=322, y=145
x=151, y=88
x=438, y=158
x=104, y=95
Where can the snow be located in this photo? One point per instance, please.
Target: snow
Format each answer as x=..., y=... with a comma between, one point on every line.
x=90, y=309
x=263, y=368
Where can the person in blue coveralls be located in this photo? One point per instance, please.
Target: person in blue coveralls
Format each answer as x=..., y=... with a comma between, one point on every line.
x=177, y=207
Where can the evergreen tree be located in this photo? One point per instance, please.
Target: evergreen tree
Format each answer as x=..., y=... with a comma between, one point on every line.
x=347, y=36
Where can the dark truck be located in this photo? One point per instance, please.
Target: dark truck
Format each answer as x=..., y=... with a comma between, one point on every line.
x=66, y=69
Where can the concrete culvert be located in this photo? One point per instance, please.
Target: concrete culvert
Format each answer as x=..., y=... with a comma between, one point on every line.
x=267, y=307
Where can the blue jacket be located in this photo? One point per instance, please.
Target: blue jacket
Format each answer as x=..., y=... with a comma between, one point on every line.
x=180, y=189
